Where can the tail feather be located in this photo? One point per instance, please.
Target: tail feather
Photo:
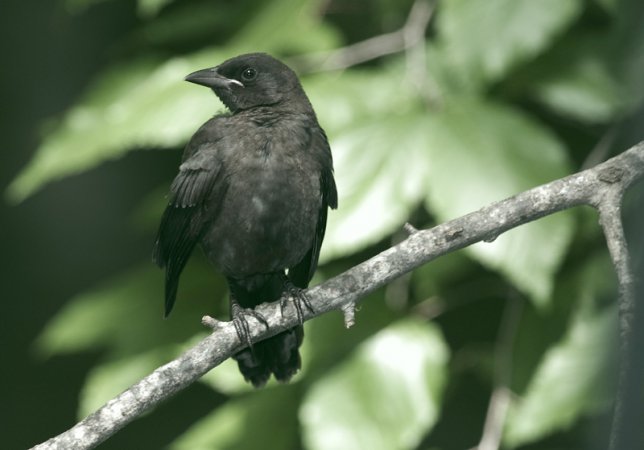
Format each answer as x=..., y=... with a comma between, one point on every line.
x=278, y=355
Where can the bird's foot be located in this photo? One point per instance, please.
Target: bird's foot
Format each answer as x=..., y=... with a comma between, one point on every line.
x=299, y=298
x=240, y=321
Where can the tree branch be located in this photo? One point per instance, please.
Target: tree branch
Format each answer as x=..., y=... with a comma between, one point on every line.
x=610, y=219
x=601, y=187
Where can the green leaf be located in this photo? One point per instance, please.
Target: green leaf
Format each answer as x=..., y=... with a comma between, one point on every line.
x=483, y=152
x=487, y=38
x=328, y=342
x=267, y=31
x=265, y=419
x=378, y=138
x=610, y=6
x=150, y=8
x=75, y=6
x=386, y=396
x=345, y=99
x=584, y=90
x=391, y=155
x=138, y=105
x=627, y=56
x=576, y=80
x=573, y=379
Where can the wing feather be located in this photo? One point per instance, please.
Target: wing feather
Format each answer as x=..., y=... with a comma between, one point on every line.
x=302, y=273
x=194, y=195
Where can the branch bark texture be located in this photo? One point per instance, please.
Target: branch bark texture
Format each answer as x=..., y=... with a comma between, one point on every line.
x=601, y=187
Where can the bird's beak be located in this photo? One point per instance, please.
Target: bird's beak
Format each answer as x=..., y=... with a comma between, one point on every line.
x=212, y=79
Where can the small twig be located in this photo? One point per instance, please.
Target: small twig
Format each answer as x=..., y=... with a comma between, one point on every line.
x=409, y=228
x=210, y=322
x=583, y=188
x=414, y=38
x=601, y=150
x=501, y=394
x=349, y=314
x=405, y=38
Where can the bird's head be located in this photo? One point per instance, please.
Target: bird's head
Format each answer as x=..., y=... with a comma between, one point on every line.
x=250, y=80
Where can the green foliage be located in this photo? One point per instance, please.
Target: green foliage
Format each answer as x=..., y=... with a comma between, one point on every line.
x=570, y=381
x=497, y=152
x=574, y=377
x=490, y=118
x=263, y=419
x=384, y=396
x=102, y=319
x=486, y=39
x=139, y=104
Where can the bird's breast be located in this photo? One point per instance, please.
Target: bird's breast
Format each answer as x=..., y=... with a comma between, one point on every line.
x=269, y=214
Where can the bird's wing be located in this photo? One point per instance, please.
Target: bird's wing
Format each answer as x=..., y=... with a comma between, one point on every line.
x=303, y=271
x=193, y=201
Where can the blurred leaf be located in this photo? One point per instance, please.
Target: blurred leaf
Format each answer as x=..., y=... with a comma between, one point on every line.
x=378, y=137
x=267, y=31
x=265, y=419
x=126, y=315
x=576, y=80
x=190, y=22
x=464, y=156
x=150, y=8
x=584, y=90
x=75, y=6
x=138, y=105
x=609, y=5
x=147, y=104
x=587, y=281
x=483, y=152
x=392, y=163
x=627, y=52
x=343, y=100
x=449, y=269
x=145, y=8
x=328, y=342
x=595, y=74
x=108, y=379
x=386, y=396
x=486, y=38
x=572, y=380
x=372, y=119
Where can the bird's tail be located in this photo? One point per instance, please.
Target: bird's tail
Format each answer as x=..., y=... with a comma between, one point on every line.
x=278, y=355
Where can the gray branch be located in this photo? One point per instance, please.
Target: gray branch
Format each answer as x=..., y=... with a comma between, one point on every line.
x=601, y=187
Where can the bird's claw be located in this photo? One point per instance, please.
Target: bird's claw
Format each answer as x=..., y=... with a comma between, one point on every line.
x=299, y=298
x=240, y=321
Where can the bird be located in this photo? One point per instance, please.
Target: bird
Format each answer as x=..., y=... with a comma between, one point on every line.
x=253, y=191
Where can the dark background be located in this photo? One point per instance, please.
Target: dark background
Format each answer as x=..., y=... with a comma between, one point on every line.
x=60, y=241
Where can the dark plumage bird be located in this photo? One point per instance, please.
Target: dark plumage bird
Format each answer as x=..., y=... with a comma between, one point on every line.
x=253, y=190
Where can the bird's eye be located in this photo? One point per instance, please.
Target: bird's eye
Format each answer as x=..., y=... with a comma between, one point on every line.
x=248, y=74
